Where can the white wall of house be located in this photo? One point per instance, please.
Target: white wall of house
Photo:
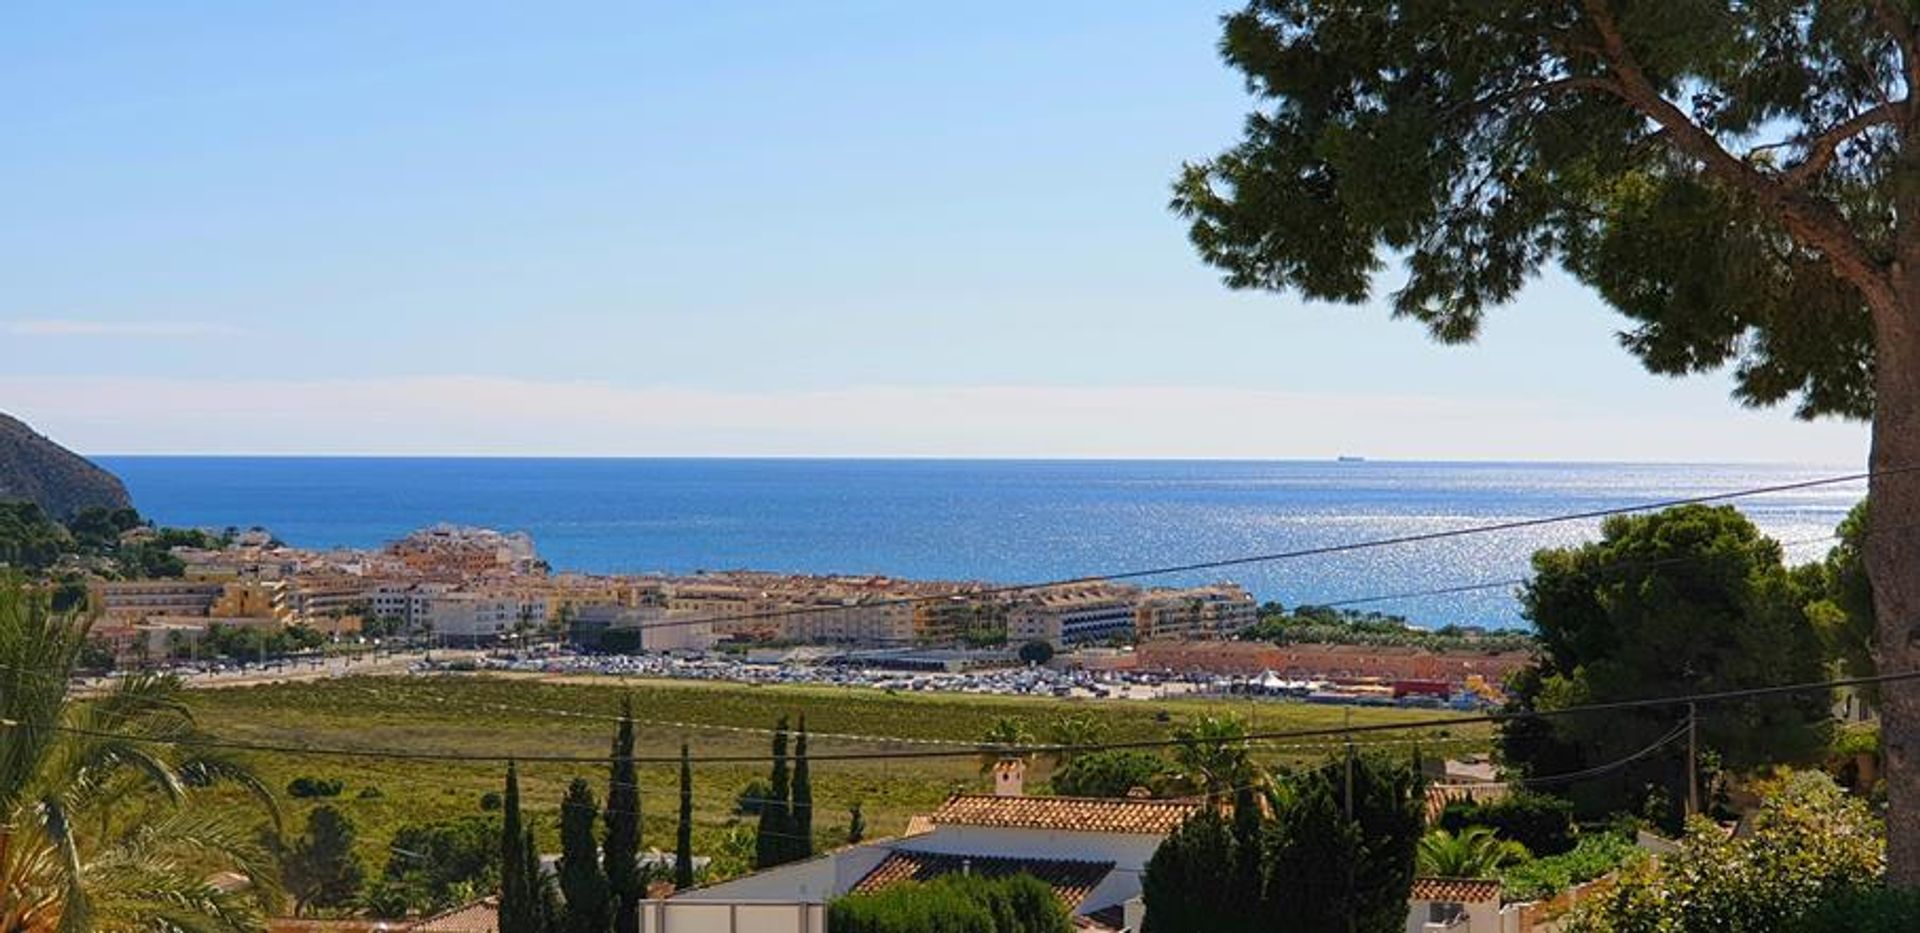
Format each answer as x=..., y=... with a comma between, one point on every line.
x=1128, y=852
x=820, y=878
x=683, y=916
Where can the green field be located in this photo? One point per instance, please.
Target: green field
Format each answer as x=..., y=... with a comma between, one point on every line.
x=522, y=716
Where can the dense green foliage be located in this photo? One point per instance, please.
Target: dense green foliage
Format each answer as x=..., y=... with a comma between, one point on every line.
x=247, y=643
x=800, y=829
x=307, y=786
x=621, y=845
x=519, y=875
x=1807, y=844
x=1843, y=600
x=322, y=869
x=432, y=866
x=771, y=844
x=953, y=904
x=1037, y=652
x=583, y=885
x=1870, y=910
x=1719, y=173
x=1473, y=852
x=112, y=814
x=683, y=830
x=1110, y=773
x=99, y=539
x=1309, y=868
x=1595, y=854
x=1320, y=625
x=1691, y=599
x=1542, y=823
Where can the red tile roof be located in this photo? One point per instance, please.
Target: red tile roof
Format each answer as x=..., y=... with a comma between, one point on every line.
x=1456, y=890
x=481, y=916
x=1071, y=881
x=1074, y=814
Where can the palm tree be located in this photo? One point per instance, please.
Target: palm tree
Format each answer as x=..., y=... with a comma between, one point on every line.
x=1213, y=758
x=1475, y=852
x=1006, y=732
x=1069, y=731
x=98, y=824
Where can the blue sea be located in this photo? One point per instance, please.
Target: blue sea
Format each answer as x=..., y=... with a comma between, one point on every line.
x=1000, y=521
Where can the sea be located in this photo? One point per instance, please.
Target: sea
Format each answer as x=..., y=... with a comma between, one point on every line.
x=1002, y=521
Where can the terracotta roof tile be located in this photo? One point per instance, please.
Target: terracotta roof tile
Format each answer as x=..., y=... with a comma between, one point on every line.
x=1075, y=814
x=1071, y=881
x=481, y=916
x=1456, y=890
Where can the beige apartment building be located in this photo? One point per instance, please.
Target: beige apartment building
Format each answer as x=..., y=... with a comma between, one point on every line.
x=1085, y=614
x=1208, y=612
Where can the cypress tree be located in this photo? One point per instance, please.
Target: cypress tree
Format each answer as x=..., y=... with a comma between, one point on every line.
x=518, y=913
x=683, y=840
x=856, y=825
x=800, y=842
x=622, y=845
x=581, y=880
x=770, y=845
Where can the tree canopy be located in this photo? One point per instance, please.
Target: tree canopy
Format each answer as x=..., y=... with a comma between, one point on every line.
x=1691, y=599
x=1722, y=174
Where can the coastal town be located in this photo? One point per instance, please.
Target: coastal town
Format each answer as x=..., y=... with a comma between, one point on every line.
x=457, y=587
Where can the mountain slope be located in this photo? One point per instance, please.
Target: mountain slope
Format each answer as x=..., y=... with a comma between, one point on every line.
x=60, y=481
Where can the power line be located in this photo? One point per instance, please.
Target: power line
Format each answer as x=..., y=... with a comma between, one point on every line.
x=1317, y=551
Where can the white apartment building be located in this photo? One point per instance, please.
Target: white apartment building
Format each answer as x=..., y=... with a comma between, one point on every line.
x=1074, y=617
x=848, y=620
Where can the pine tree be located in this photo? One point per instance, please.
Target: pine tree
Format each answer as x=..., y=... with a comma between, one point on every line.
x=770, y=845
x=800, y=842
x=683, y=840
x=581, y=880
x=518, y=911
x=622, y=845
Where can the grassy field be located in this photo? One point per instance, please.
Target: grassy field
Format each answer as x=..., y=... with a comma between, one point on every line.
x=525, y=716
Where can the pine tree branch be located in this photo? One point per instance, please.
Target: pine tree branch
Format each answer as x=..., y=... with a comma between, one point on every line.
x=1810, y=220
x=1822, y=148
x=1900, y=26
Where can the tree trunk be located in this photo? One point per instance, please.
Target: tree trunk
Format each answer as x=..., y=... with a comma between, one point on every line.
x=1893, y=564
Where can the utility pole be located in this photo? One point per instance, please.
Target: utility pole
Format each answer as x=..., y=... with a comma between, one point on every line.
x=1693, y=760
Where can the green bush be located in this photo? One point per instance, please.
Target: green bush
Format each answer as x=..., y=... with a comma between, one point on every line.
x=304, y=786
x=953, y=904
x=1109, y=773
x=753, y=796
x=1874, y=910
x=1542, y=823
x=1541, y=878
x=490, y=801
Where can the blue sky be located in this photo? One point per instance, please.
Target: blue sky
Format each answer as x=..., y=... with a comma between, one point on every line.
x=715, y=228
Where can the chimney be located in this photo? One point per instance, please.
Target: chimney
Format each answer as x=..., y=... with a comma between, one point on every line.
x=1010, y=778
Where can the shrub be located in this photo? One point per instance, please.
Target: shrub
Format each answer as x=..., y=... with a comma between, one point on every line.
x=490, y=801
x=1541, y=878
x=753, y=796
x=371, y=792
x=1036, y=652
x=304, y=786
x=1109, y=773
x=1542, y=823
x=953, y=904
x=1809, y=845
x=1873, y=910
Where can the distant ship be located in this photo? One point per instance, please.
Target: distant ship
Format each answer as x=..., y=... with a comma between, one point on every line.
x=1349, y=458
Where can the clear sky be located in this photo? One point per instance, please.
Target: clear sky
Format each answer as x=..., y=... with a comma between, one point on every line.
x=715, y=228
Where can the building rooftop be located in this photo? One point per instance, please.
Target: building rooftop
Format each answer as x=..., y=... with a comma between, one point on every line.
x=1071, y=881
x=1073, y=814
x=1456, y=890
x=481, y=916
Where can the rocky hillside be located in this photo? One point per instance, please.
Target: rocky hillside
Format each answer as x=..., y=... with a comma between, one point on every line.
x=60, y=481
